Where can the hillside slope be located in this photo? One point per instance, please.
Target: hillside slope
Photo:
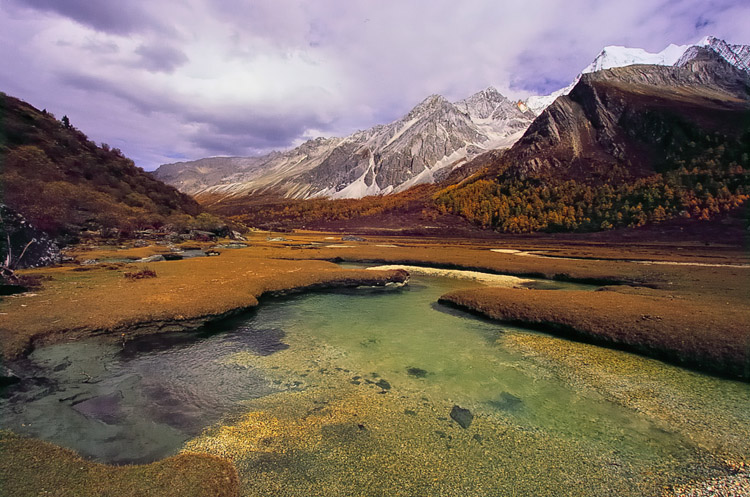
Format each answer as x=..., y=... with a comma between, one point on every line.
x=626, y=147
x=63, y=183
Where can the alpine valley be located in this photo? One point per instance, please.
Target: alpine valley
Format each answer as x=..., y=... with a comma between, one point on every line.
x=543, y=297
x=438, y=137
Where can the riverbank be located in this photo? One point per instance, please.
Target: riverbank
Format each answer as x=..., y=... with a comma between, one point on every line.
x=705, y=336
x=98, y=299
x=80, y=300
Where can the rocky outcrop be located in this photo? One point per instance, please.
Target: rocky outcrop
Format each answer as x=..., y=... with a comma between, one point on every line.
x=23, y=246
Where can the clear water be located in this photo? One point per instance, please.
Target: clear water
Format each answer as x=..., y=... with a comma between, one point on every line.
x=396, y=349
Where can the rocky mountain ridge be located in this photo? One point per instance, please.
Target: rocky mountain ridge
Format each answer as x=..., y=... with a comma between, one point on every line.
x=633, y=115
x=424, y=146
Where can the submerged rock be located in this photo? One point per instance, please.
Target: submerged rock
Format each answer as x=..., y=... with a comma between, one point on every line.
x=7, y=377
x=507, y=402
x=105, y=408
x=416, y=372
x=383, y=384
x=352, y=238
x=462, y=416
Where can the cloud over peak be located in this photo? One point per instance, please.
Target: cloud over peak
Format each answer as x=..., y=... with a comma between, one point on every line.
x=165, y=79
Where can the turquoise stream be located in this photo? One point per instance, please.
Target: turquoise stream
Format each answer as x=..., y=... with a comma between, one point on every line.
x=144, y=400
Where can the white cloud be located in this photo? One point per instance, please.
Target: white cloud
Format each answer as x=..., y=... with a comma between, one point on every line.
x=166, y=79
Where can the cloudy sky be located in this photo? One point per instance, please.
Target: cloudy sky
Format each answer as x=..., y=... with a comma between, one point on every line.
x=178, y=80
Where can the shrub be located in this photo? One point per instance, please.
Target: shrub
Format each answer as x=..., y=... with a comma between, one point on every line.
x=140, y=274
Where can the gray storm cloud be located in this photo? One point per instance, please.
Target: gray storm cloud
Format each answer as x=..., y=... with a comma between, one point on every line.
x=166, y=80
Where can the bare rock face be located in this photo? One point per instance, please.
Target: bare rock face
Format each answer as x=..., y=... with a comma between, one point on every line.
x=632, y=116
x=23, y=246
x=736, y=55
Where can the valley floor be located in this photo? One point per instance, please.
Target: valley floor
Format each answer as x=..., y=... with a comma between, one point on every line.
x=682, y=302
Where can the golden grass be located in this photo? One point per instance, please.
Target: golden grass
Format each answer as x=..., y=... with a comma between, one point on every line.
x=701, y=334
x=184, y=294
x=32, y=467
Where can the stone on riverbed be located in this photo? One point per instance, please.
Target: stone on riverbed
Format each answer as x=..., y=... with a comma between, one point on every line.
x=383, y=384
x=462, y=416
x=416, y=372
x=507, y=402
x=7, y=377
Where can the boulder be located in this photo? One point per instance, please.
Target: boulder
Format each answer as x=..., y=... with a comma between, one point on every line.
x=7, y=377
x=237, y=236
x=203, y=236
x=152, y=258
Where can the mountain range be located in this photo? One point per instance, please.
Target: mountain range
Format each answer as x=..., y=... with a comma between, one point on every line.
x=422, y=147
x=425, y=146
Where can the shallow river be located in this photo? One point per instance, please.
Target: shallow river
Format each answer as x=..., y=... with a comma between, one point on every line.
x=351, y=393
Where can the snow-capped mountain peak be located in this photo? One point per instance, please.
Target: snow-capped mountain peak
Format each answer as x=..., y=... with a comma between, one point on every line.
x=423, y=146
x=482, y=104
x=737, y=55
x=619, y=56
x=427, y=106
